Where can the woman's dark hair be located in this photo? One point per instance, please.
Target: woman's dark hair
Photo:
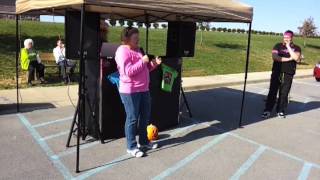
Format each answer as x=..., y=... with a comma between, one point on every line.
x=127, y=33
x=289, y=32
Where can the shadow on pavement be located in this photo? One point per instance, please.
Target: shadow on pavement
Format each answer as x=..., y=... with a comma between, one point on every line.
x=221, y=109
x=25, y=107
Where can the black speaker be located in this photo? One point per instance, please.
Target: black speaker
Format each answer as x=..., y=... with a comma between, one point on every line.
x=165, y=105
x=91, y=97
x=181, y=39
x=104, y=105
x=104, y=109
x=107, y=109
x=91, y=35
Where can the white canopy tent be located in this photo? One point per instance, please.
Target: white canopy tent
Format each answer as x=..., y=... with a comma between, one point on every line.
x=161, y=10
x=146, y=11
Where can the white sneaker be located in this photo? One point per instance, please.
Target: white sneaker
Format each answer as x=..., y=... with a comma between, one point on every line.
x=148, y=146
x=266, y=114
x=281, y=115
x=135, y=152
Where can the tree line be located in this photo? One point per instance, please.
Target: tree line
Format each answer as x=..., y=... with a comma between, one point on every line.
x=307, y=30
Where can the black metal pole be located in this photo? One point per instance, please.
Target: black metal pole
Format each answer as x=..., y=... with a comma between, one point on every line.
x=246, y=74
x=75, y=116
x=81, y=87
x=17, y=60
x=185, y=101
x=147, y=34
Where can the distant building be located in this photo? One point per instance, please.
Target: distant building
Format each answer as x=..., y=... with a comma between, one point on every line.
x=8, y=9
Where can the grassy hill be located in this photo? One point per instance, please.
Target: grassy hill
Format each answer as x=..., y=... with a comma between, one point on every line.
x=220, y=53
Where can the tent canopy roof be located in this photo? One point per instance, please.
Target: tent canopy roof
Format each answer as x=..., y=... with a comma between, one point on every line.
x=160, y=10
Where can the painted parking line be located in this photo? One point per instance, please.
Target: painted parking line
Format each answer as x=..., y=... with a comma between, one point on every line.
x=44, y=146
x=180, y=130
x=119, y=159
x=85, y=146
x=73, y=150
x=104, y=167
x=305, y=171
x=54, y=136
x=53, y=122
x=190, y=158
x=183, y=129
x=109, y=165
x=246, y=165
x=290, y=156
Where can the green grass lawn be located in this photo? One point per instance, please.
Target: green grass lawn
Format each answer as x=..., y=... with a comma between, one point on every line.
x=220, y=53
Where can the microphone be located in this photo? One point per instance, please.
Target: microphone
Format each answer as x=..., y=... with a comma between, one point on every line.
x=150, y=56
x=142, y=51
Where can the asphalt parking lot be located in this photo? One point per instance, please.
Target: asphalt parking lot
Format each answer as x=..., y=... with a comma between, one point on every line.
x=208, y=146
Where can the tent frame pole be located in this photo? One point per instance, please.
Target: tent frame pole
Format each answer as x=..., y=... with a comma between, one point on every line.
x=17, y=61
x=246, y=75
x=147, y=33
x=81, y=95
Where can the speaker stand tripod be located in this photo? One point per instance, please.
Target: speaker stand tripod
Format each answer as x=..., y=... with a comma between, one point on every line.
x=185, y=102
x=79, y=115
x=83, y=132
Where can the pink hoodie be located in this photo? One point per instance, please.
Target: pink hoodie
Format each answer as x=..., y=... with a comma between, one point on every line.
x=134, y=73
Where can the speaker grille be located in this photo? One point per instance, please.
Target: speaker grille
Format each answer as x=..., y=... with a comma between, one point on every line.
x=181, y=39
x=91, y=35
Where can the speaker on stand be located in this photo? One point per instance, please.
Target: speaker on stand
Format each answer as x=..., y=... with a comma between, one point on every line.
x=89, y=68
x=181, y=39
x=181, y=43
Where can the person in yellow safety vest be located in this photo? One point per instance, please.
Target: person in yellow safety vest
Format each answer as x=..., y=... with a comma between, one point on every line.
x=30, y=61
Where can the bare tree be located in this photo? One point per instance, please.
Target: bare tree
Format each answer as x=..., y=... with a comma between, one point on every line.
x=308, y=29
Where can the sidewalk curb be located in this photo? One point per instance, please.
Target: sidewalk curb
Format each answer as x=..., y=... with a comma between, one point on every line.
x=216, y=85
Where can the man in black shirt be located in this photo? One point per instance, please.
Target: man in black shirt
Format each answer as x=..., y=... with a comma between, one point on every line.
x=285, y=56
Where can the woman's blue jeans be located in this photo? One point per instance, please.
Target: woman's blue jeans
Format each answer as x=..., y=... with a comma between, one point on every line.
x=138, y=110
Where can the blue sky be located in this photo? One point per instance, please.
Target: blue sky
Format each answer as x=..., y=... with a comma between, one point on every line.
x=280, y=15
x=269, y=15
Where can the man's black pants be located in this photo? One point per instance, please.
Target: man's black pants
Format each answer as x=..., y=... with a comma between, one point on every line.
x=280, y=82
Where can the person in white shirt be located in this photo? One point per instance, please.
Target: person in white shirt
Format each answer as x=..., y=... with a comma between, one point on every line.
x=66, y=66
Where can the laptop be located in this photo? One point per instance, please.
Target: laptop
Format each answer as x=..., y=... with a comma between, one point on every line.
x=108, y=50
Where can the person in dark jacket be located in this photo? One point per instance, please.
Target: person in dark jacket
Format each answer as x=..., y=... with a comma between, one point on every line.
x=285, y=56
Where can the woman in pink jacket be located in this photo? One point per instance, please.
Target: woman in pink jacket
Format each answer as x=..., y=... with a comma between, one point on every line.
x=134, y=68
